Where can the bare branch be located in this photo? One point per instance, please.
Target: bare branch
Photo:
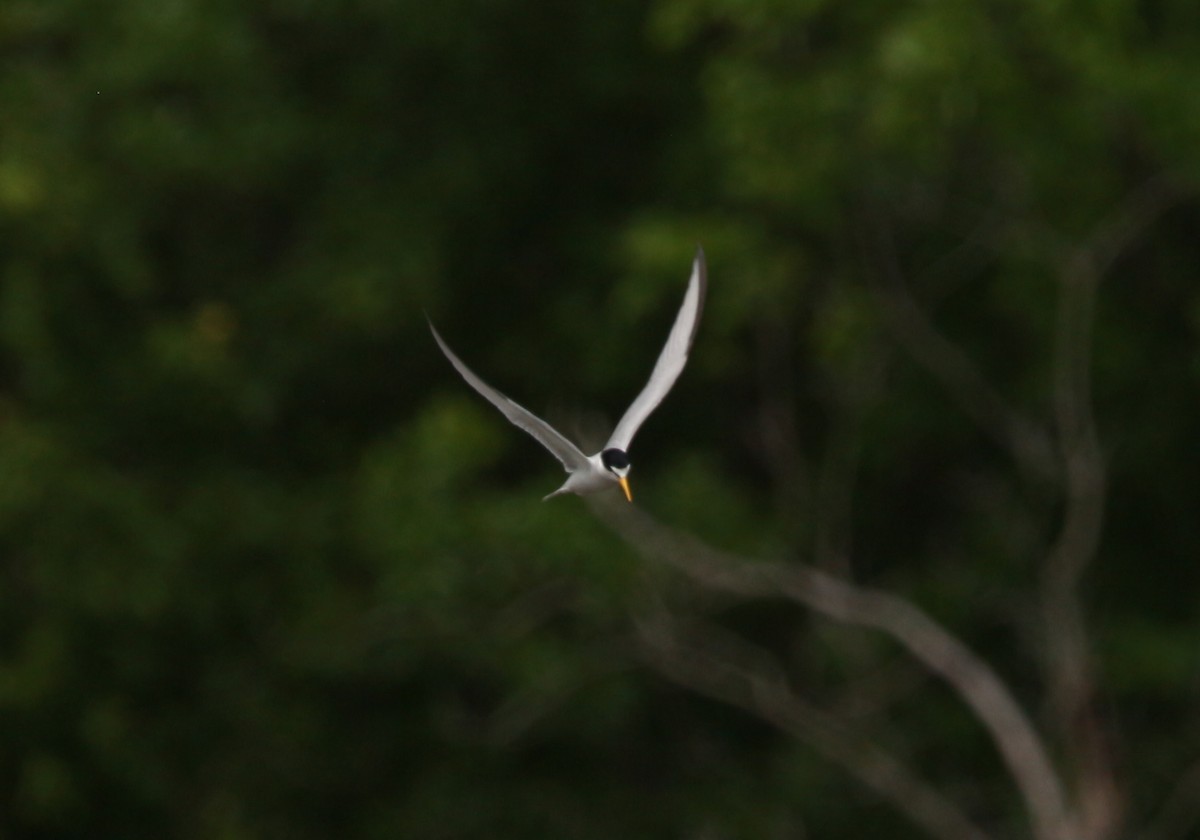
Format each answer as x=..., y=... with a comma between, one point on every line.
x=727, y=669
x=1116, y=235
x=1072, y=459
x=1069, y=665
x=525, y=709
x=1025, y=441
x=1180, y=812
x=1068, y=655
x=976, y=684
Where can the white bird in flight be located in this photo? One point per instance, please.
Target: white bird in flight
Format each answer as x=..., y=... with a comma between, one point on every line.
x=592, y=473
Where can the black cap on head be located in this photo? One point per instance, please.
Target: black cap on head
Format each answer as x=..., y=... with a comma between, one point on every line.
x=614, y=459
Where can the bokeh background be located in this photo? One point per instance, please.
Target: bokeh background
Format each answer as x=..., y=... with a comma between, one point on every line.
x=270, y=569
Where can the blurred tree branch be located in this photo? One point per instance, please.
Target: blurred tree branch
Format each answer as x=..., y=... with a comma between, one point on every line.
x=720, y=665
x=1025, y=440
x=1179, y=813
x=1070, y=671
x=1070, y=456
x=1023, y=751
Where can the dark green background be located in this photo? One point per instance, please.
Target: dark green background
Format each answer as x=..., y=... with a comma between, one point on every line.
x=268, y=568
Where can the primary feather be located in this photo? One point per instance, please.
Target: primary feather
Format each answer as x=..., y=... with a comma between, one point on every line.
x=545, y=434
x=671, y=360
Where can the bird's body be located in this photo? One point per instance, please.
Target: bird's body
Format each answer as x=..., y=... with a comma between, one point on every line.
x=590, y=479
x=592, y=473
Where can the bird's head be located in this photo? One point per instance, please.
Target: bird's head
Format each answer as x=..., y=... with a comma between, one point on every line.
x=617, y=463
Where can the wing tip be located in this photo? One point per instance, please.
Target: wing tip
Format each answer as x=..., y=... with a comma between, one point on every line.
x=700, y=267
x=437, y=336
x=700, y=275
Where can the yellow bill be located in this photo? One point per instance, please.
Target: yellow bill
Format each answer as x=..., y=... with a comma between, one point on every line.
x=624, y=482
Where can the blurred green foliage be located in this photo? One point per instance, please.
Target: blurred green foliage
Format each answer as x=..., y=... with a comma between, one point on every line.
x=270, y=569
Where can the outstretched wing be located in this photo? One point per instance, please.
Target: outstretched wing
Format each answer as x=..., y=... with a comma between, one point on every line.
x=670, y=361
x=545, y=434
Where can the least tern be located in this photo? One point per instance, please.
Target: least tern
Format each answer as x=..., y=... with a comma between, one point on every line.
x=609, y=466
